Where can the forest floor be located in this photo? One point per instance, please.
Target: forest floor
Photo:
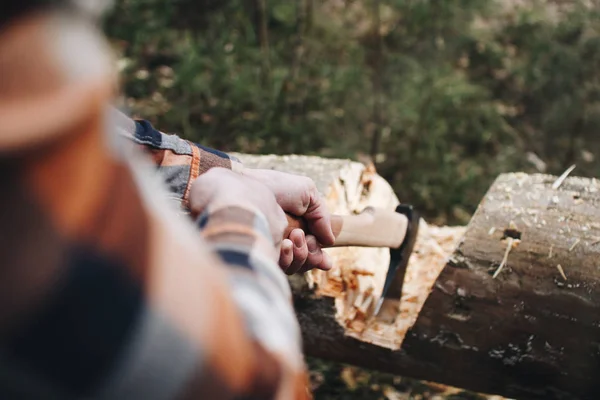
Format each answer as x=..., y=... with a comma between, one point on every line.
x=331, y=381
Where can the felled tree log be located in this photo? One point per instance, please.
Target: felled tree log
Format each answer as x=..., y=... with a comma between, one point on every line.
x=534, y=331
x=530, y=330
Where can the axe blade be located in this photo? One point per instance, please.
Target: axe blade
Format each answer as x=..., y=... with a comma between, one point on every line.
x=388, y=305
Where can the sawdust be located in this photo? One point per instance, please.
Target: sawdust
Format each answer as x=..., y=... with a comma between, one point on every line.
x=356, y=286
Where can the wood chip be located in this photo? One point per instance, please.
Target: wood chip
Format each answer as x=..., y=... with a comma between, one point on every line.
x=574, y=244
x=562, y=272
x=437, y=248
x=562, y=178
x=364, y=307
x=550, y=252
x=505, y=259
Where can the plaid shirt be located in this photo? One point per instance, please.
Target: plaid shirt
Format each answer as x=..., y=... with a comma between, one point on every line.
x=106, y=291
x=178, y=161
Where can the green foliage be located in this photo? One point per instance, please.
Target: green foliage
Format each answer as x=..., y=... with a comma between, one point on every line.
x=468, y=88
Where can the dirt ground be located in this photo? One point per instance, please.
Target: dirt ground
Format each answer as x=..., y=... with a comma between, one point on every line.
x=332, y=381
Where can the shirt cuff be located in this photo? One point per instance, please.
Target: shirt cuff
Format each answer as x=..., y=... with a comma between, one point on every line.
x=239, y=234
x=241, y=237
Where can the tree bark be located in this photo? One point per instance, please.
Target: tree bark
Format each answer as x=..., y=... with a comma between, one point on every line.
x=534, y=331
x=528, y=333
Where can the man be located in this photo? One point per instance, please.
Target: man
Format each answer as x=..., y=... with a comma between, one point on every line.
x=180, y=162
x=105, y=291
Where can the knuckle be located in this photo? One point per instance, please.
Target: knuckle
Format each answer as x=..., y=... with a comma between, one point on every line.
x=285, y=262
x=311, y=186
x=301, y=255
x=305, y=201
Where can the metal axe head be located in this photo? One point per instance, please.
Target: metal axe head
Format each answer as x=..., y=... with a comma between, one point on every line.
x=387, y=307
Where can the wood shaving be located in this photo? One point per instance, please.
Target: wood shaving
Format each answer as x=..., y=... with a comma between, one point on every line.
x=509, y=247
x=562, y=178
x=353, y=307
x=562, y=272
x=573, y=245
x=433, y=245
x=364, y=307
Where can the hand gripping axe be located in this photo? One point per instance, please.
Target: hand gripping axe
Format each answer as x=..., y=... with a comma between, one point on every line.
x=373, y=227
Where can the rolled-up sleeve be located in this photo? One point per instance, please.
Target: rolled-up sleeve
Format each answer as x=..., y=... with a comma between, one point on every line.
x=178, y=161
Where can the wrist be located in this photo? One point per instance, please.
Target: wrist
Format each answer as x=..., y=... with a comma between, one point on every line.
x=237, y=166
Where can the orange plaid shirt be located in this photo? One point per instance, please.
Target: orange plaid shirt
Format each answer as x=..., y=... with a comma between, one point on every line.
x=106, y=290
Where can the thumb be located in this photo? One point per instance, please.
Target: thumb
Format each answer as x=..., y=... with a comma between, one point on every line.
x=319, y=221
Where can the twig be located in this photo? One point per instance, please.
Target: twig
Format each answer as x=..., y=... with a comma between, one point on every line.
x=505, y=259
x=562, y=272
x=562, y=178
x=573, y=245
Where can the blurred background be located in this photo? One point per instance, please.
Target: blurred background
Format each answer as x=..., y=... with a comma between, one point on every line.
x=441, y=95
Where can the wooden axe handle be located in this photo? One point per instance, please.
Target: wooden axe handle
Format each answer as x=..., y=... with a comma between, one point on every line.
x=371, y=228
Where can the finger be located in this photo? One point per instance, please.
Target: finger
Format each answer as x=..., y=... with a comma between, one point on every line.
x=300, y=251
x=286, y=256
x=319, y=220
x=317, y=258
x=325, y=264
x=306, y=202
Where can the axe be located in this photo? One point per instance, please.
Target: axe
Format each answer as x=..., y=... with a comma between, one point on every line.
x=373, y=227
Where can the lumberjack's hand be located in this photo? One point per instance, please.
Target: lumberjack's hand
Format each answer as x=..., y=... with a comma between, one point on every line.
x=298, y=196
x=220, y=188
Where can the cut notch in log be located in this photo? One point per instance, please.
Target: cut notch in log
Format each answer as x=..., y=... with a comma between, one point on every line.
x=355, y=284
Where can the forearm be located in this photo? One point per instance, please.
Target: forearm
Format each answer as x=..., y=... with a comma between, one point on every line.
x=241, y=238
x=178, y=161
